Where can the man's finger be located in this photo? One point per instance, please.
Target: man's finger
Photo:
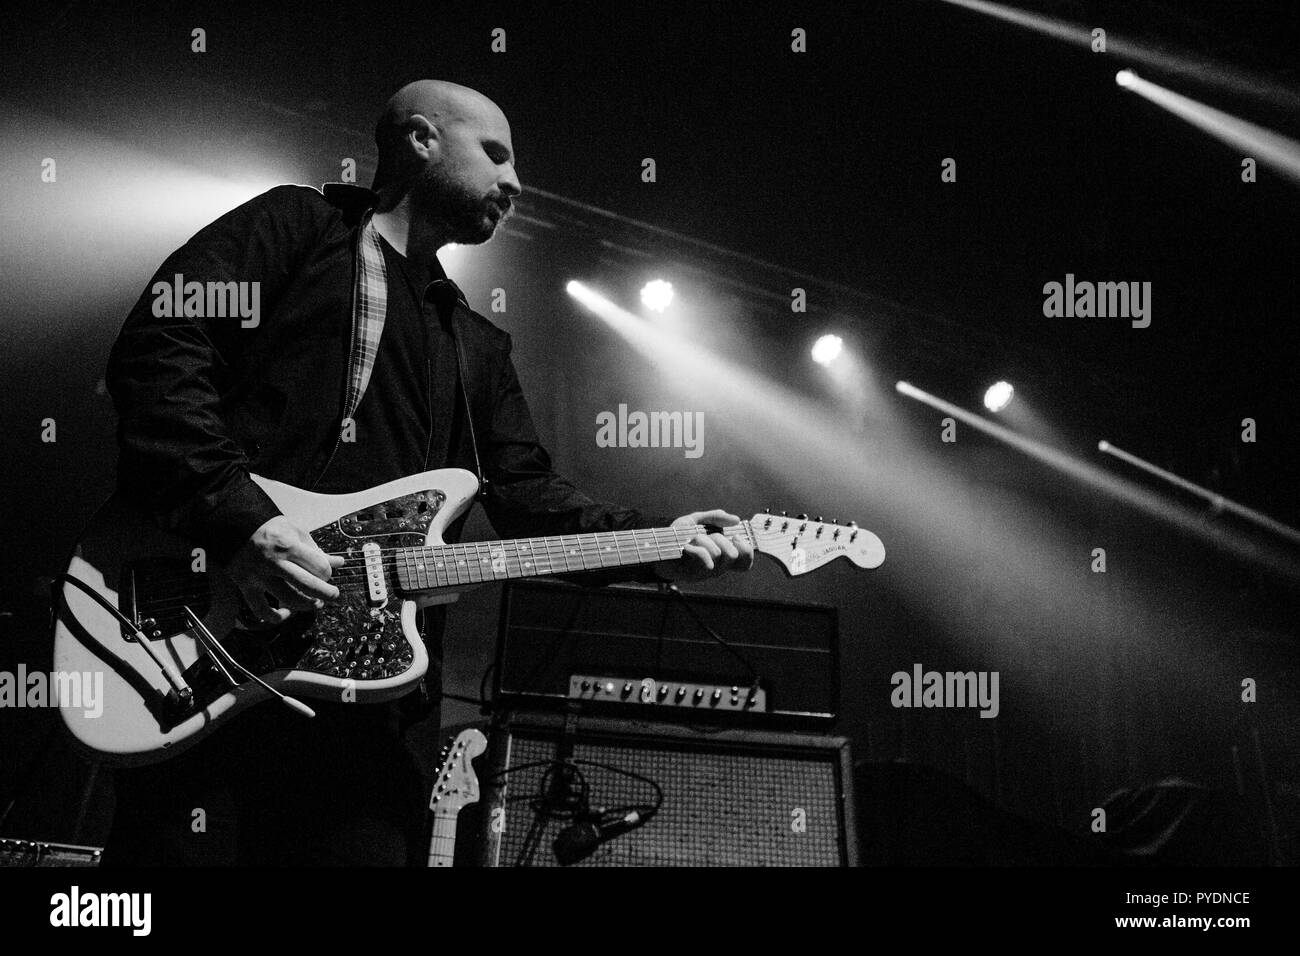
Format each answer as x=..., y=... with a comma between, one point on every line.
x=726, y=546
x=291, y=598
x=700, y=554
x=313, y=560
x=309, y=584
x=260, y=608
x=708, y=544
x=716, y=516
x=747, y=551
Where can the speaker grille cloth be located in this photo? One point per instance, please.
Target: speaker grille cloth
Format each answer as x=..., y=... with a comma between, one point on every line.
x=720, y=808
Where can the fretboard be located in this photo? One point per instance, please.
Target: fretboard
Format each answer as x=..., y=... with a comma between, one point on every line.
x=442, y=847
x=449, y=565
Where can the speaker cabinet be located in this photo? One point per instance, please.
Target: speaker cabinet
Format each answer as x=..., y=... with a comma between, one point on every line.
x=729, y=797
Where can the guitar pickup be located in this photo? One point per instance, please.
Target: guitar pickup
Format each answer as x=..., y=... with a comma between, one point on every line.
x=376, y=584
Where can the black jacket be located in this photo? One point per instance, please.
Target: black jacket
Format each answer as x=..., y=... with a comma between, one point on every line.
x=203, y=401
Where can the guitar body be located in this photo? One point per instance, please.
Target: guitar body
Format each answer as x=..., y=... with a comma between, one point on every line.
x=363, y=647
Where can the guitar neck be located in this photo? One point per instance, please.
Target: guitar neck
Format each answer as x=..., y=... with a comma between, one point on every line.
x=448, y=565
x=442, y=846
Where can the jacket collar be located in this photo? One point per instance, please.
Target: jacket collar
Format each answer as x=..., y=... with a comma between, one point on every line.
x=354, y=202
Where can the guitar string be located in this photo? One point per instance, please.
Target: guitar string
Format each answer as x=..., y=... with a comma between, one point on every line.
x=357, y=583
x=350, y=581
x=355, y=566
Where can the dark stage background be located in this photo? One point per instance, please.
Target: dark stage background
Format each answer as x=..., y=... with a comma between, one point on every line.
x=775, y=170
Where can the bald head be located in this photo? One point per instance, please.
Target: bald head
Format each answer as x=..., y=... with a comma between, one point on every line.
x=446, y=163
x=445, y=106
x=440, y=102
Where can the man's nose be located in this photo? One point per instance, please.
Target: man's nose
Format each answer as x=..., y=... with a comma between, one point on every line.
x=509, y=184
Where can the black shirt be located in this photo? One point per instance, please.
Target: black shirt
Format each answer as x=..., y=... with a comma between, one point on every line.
x=394, y=422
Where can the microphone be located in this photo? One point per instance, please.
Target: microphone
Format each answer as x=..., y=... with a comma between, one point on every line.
x=578, y=841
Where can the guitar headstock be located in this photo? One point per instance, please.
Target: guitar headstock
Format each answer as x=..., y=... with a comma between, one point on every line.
x=457, y=786
x=803, y=544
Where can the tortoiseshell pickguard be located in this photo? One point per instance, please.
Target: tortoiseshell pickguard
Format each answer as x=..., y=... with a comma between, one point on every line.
x=350, y=637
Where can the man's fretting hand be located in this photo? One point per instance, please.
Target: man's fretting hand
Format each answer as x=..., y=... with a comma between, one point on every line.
x=282, y=562
x=708, y=555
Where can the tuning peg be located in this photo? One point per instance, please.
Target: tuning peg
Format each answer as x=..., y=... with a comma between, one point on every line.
x=767, y=510
x=853, y=524
x=835, y=521
x=820, y=518
x=802, y=517
x=784, y=515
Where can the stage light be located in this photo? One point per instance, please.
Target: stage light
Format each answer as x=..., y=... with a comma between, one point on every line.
x=1124, y=79
x=1161, y=58
x=827, y=349
x=657, y=295
x=998, y=396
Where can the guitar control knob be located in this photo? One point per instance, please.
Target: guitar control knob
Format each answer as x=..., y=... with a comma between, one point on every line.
x=586, y=685
x=663, y=691
x=699, y=694
x=717, y=696
x=627, y=688
x=681, y=692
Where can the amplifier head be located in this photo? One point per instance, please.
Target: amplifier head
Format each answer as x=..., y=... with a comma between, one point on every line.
x=553, y=636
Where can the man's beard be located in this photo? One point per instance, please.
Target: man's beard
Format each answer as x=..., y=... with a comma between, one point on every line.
x=467, y=215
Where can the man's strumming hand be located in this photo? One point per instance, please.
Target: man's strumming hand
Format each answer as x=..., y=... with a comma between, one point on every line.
x=708, y=555
x=281, y=563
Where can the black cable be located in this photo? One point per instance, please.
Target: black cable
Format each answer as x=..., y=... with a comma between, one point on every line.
x=545, y=809
x=460, y=697
x=622, y=811
x=755, y=680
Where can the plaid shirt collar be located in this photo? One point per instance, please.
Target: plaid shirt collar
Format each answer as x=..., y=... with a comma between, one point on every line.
x=370, y=289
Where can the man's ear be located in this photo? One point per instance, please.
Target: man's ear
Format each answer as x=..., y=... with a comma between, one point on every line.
x=422, y=136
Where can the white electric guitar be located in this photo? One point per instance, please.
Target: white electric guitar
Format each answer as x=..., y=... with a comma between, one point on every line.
x=456, y=787
x=142, y=607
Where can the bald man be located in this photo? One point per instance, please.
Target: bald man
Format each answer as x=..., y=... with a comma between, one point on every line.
x=365, y=364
